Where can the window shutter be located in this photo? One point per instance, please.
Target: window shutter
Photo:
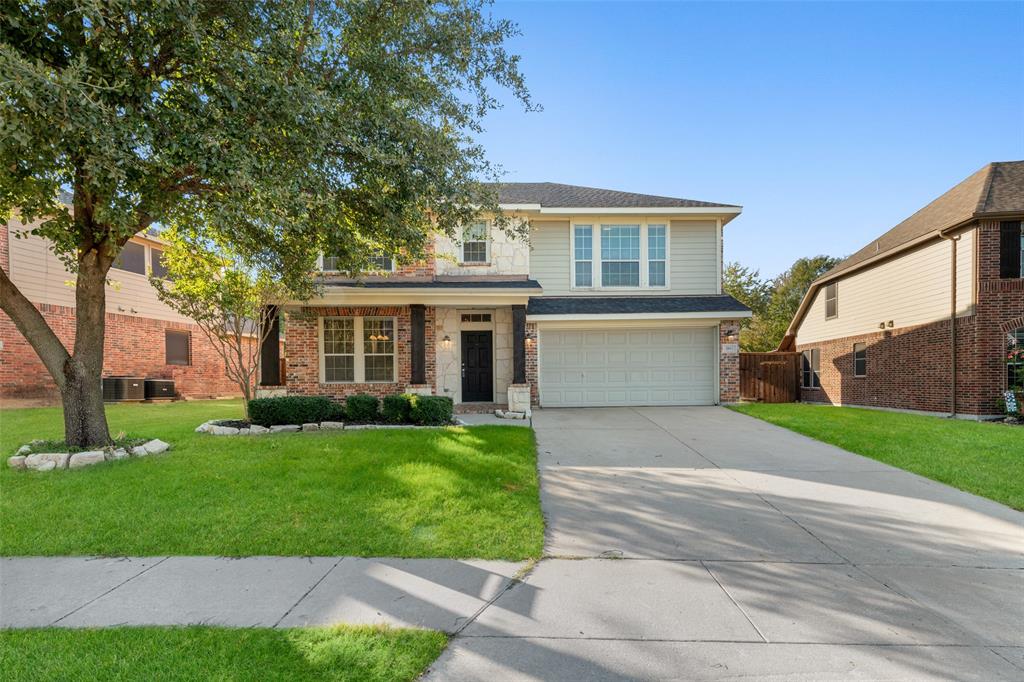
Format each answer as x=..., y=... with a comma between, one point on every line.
x=1009, y=249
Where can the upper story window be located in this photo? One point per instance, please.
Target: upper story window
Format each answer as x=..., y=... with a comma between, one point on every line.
x=831, y=301
x=620, y=256
x=475, y=245
x=583, y=254
x=1011, y=249
x=156, y=263
x=656, y=255
x=132, y=258
x=378, y=263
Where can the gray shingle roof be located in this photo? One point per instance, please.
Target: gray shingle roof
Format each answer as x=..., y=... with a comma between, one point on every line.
x=439, y=284
x=556, y=195
x=624, y=305
x=998, y=188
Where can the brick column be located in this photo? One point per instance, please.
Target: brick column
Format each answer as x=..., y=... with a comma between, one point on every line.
x=532, y=344
x=729, y=362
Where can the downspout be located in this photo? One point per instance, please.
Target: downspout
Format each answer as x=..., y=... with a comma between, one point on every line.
x=952, y=322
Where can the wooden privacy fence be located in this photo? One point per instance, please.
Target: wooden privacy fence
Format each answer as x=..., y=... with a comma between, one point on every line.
x=770, y=377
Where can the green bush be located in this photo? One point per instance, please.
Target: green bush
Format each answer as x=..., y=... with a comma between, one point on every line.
x=362, y=408
x=397, y=409
x=434, y=410
x=293, y=409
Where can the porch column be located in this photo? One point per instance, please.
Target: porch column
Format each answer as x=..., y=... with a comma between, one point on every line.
x=270, y=350
x=417, y=316
x=518, y=344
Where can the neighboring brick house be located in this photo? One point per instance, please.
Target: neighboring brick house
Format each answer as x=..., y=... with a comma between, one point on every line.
x=877, y=329
x=143, y=336
x=615, y=299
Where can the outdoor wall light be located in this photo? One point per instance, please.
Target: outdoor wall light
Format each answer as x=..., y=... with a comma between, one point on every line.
x=731, y=338
x=446, y=342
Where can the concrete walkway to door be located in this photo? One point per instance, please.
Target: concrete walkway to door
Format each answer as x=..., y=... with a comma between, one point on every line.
x=698, y=543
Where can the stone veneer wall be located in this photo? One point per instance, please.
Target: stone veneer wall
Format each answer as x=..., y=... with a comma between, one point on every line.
x=508, y=257
x=729, y=364
x=449, y=360
x=303, y=351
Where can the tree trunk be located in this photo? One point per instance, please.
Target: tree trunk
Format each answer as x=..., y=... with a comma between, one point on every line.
x=85, y=420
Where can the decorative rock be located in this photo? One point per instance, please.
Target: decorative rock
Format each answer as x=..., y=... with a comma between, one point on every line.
x=310, y=427
x=116, y=453
x=256, y=430
x=222, y=430
x=138, y=451
x=332, y=426
x=203, y=428
x=284, y=428
x=16, y=462
x=44, y=461
x=23, y=450
x=156, y=446
x=84, y=459
x=359, y=427
x=243, y=432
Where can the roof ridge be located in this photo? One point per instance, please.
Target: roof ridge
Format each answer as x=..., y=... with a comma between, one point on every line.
x=986, y=189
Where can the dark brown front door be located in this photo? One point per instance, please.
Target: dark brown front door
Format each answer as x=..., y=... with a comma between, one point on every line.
x=477, y=371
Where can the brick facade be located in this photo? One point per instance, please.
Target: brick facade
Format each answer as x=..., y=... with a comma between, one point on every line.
x=303, y=352
x=729, y=363
x=532, y=341
x=133, y=346
x=909, y=368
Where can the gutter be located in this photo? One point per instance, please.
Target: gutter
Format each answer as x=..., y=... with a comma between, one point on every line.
x=952, y=320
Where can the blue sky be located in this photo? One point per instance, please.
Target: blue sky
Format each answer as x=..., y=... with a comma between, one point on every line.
x=828, y=122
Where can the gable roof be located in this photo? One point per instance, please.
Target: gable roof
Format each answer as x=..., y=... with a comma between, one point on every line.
x=557, y=195
x=996, y=189
x=993, y=191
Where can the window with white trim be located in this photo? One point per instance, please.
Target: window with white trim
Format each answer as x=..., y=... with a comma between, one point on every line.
x=358, y=349
x=1015, y=360
x=475, y=245
x=339, y=349
x=831, y=301
x=620, y=255
x=811, y=368
x=379, y=348
x=656, y=255
x=860, y=359
x=583, y=255
x=382, y=263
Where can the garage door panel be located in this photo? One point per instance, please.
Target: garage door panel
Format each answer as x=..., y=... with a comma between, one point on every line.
x=630, y=367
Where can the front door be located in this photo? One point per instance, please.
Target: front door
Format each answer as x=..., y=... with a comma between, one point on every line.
x=477, y=370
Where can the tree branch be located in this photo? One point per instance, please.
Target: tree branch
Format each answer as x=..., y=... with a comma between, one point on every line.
x=33, y=327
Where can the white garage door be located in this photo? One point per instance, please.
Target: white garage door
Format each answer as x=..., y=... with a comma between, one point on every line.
x=593, y=367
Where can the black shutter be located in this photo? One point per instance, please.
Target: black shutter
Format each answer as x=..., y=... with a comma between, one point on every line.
x=1009, y=249
x=417, y=314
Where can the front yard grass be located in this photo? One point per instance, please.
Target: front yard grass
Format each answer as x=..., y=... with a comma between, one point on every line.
x=984, y=459
x=353, y=654
x=452, y=492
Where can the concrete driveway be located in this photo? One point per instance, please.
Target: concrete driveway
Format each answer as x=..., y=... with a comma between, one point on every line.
x=698, y=543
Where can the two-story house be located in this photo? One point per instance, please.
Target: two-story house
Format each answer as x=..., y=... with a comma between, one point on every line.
x=144, y=337
x=615, y=298
x=929, y=316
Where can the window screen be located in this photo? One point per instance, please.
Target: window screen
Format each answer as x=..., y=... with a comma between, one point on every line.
x=831, y=301
x=177, y=346
x=860, y=360
x=156, y=263
x=132, y=258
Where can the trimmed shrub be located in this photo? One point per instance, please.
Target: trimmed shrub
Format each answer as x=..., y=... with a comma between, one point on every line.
x=293, y=409
x=362, y=408
x=433, y=410
x=397, y=409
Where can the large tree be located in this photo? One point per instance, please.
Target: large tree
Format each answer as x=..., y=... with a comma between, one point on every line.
x=769, y=325
x=282, y=127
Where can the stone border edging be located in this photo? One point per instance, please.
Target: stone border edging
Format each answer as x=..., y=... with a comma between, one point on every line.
x=215, y=429
x=49, y=461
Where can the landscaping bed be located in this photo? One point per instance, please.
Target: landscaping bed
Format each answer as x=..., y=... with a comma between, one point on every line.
x=986, y=459
x=442, y=492
x=342, y=653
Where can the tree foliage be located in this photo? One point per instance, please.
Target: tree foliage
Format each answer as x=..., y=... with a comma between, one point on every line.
x=774, y=301
x=231, y=302
x=282, y=128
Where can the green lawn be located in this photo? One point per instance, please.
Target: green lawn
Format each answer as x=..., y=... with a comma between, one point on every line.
x=353, y=654
x=984, y=459
x=452, y=492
